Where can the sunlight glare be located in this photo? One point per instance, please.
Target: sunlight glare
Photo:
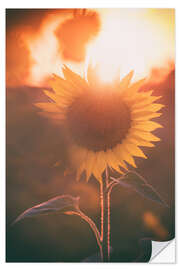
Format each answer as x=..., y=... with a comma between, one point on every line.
x=128, y=41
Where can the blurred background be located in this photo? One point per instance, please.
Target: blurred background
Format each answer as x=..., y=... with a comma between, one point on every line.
x=38, y=42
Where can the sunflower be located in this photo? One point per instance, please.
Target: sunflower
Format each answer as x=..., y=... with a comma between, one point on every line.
x=105, y=124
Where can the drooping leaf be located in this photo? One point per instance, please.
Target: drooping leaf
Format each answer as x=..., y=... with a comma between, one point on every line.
x=138, y=183
x=58, y=203
x=149, y=192
x=132, y=179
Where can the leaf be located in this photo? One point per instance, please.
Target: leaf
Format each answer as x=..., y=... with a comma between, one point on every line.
x=58, y=203
x=138, y=183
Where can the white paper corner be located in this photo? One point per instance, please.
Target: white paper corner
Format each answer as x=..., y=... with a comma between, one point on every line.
x=163, y=252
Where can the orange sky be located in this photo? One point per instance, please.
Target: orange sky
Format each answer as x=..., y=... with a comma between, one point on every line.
x=122, y=40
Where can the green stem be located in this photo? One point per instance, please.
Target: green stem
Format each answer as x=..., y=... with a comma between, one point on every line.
x=91, y=224
x=105, y=218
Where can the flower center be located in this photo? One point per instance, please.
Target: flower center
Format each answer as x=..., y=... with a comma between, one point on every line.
x=98, y=121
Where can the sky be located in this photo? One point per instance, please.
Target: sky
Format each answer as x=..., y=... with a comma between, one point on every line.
x=118, y=40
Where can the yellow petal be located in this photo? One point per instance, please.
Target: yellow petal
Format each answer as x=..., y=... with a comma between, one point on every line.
x=134, y=97
x=127, y=157
x=145, y=101
x=139, y=141
x=134, y=150
x=150, y=108
x=59, y=98
x=126, y=80
x=60, y=85
x=100, y=165
x=90, y=161
x=132, y=91
x=74, y=78
x=79, y=172
x=113, y=161
x=48, y=107
x=141, y=116
x=117, y=152
x=101, y=161
x=146, y=126
x=51, y=95
x=148, y=136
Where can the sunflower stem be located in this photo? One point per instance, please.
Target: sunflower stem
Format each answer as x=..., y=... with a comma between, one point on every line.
x=105, y=218
x=91, y=224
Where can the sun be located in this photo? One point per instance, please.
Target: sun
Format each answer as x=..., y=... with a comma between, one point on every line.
x=105, y=124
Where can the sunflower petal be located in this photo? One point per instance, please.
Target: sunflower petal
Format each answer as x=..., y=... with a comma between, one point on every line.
x=101, y=161
x=148, y=136
x=134, y=97
x=135, y=150
x=90, y=161
x=50, y=95
x=61, y=100
x=100, y=165
x=140, y=116
x=112, y=161
x=126, y=80
x=146, y=126
x=48, y=107
x=145, y=101
x=127, y=157
x=117, y=153
x=64, y=98
x=139, y=141
x=124, y=155
x=74, y=78
x=151, y=108
x=79, y=172
x=60, y=85
x=133, y=89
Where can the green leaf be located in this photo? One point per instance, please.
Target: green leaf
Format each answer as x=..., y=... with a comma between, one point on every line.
x=138, y=183
x=59, y=203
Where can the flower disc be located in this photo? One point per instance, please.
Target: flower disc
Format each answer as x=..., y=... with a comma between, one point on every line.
x=98, y=121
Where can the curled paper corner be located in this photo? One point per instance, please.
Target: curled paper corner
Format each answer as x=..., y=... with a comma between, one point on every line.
x=163, y=252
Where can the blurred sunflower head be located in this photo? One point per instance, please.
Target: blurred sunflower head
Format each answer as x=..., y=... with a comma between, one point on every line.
x=106, y=125
x=84, y=25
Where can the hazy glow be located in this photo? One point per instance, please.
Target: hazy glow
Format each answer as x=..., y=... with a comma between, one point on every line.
x=131, y=39
x=136, y=39
x=44, y=50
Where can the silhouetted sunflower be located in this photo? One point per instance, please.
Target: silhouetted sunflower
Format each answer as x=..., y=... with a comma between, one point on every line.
x=105, y=124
